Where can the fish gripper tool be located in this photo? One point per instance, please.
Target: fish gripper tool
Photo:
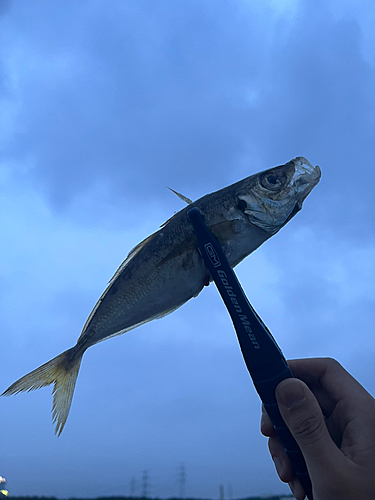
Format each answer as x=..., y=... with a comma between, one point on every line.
x=264, y=360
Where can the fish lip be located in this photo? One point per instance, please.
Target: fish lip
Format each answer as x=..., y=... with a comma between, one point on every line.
x=305, y=172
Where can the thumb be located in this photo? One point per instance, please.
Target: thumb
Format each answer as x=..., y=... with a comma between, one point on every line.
x=304, y=418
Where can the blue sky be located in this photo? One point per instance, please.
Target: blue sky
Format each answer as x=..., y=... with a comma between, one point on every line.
x=103, y=105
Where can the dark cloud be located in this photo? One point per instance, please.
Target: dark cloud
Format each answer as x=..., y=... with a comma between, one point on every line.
x=144, y=95
x=321, y=103
x=146, y=98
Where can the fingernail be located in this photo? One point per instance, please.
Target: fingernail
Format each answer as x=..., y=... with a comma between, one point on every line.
x=291, y=394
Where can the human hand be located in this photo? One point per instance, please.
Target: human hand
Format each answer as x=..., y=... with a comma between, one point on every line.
x=332, y=418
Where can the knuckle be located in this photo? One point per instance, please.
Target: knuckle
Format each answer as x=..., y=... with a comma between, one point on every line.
x=332, y=363
x=310, y=428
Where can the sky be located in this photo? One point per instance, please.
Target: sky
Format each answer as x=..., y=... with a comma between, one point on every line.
x=102, y=106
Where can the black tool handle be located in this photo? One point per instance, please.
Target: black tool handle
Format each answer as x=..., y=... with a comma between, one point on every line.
x=263, y=357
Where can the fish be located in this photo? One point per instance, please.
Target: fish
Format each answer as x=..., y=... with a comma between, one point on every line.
x=166, y=269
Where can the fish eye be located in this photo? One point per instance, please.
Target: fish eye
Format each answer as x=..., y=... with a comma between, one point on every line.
x=273, y=181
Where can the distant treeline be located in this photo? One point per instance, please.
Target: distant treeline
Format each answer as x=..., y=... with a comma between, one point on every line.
x=274, y=497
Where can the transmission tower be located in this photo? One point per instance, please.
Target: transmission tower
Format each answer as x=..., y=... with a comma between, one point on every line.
x=145, y=484
x=221, y=491
x=182, y=480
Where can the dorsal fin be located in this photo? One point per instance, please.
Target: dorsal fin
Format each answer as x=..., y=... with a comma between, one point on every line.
x=181, y=196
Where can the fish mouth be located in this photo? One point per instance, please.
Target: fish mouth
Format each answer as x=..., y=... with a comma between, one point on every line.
x=304, y=179
x=305, y=173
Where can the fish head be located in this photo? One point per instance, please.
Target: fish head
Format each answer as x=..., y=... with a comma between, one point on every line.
x=271, y=198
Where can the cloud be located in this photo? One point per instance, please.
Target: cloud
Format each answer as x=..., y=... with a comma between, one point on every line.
x=141, y=96
x=134, y=98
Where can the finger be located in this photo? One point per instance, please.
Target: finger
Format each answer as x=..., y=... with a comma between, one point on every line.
x=332, y=385
x=280, y=459
x=266, y=426
x=297, y=489
x=328, y=374
x=303, y=416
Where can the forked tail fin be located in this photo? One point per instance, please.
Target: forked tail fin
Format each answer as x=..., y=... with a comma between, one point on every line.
x=61, y=371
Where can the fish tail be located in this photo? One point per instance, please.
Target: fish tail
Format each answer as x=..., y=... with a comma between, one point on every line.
x=61, y=371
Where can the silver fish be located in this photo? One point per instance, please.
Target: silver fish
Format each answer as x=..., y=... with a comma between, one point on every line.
x=166, y=269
